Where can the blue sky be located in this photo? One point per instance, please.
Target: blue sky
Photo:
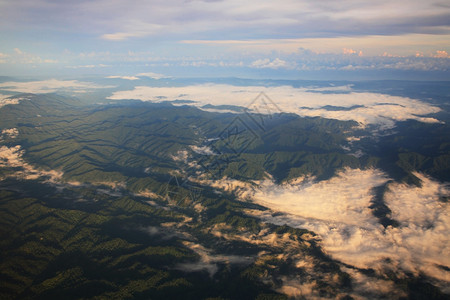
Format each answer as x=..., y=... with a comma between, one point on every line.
x=212, y=38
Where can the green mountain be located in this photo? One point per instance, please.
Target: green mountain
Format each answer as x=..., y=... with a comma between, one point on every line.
x=126, y=216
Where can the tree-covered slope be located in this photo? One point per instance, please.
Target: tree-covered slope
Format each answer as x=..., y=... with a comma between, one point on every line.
x=114, y=200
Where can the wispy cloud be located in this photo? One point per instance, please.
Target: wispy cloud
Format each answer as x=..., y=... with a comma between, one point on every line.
x=50, y=86
x=21, y=57
x=209, y=261
x=123, y=77
x=120, y=20
x=134, y=29
x=369, y=45
x=87, y=66
x=153, y=75
x=139, y=76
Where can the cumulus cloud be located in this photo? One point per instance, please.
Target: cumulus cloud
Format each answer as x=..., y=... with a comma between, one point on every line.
x=441, y=54
x=8, y=100
x=11, y=132
x=50, y=86
x=338, y=210
x=348, y=51
x=270, y=64
x=366, y=108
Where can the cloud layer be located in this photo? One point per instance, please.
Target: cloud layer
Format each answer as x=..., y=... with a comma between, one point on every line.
x=226, y=37
x=338, y=210
x=49, y=86
x=365, y=108
x=120, y=20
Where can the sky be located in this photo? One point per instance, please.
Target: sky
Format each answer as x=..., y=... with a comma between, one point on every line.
x=294, y=39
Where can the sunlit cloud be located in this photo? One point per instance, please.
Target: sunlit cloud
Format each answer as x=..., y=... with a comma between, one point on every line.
x=8, y=100
x=339, y=211
x=223, y=34
x=11, y=157
x=370, y=45
x=364, y=108
x=441, y=54
x=11, y=133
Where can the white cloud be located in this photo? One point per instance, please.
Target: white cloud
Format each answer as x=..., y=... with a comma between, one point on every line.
x=87, y=66
x=268, y=64
x=49, y=86
x=137, y=77
x=338, y=211
x=382, y=110
x=319, y=201
x=124, y=77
